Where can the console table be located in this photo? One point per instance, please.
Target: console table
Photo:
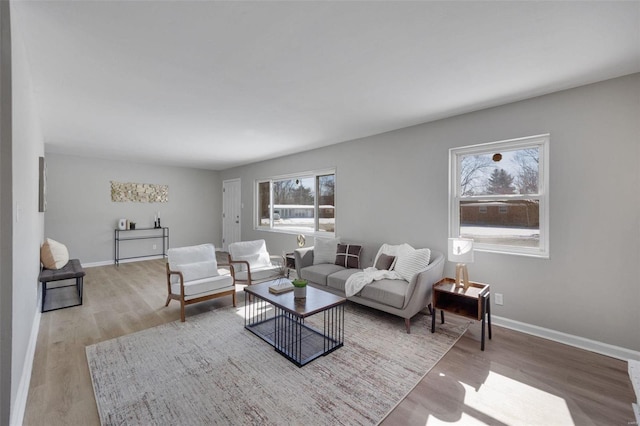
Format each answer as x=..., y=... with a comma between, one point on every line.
x=472, y=303
x=123, y=235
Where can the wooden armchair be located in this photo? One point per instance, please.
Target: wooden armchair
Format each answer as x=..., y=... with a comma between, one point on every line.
x=253, y=264
x=193, y=276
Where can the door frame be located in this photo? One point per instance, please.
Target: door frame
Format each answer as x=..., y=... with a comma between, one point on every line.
x=225, y=244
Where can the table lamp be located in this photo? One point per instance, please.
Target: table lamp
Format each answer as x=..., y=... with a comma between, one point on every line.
x=461, y=251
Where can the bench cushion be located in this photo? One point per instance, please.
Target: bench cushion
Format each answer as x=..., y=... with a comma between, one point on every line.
x=72, y=269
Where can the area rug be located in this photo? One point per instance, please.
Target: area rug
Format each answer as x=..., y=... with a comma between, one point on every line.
x=210, y=370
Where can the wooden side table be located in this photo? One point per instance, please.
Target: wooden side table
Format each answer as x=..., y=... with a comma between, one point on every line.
x=474, y=303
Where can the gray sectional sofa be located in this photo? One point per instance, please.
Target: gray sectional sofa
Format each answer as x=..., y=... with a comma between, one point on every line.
x=395, y=296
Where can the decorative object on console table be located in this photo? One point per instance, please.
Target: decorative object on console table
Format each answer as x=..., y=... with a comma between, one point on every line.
x=300, y=288
x=473, y=302
x=461, y=251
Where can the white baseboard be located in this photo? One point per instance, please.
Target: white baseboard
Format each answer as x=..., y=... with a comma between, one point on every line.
x=568, y=339
x=634, y=375
x=20, y=404
x=110, y=262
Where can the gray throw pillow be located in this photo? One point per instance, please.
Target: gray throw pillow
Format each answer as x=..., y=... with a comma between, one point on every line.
x=348, y=255
x=384, y=262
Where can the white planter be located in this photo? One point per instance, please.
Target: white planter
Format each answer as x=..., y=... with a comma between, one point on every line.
x=300, y=292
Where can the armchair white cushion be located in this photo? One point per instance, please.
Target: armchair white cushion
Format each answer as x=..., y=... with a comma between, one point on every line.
x=193, y=276
x=252, y=263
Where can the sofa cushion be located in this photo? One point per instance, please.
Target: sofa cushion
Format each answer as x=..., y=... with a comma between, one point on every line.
x=387, y=292
x=384, y=262
x=324, y=250
x=337, y=279
x=53, y=255
x=411, y=262
x=318, y=273
x=348, y=255
x=205, y=285
x=198, y=270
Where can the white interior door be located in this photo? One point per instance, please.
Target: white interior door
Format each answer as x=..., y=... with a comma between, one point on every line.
x=231, y=212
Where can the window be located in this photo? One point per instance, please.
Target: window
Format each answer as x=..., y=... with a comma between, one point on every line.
x=499, y=195
x=298, y=203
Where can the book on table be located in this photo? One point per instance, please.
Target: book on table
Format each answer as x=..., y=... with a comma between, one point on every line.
x=281, y=286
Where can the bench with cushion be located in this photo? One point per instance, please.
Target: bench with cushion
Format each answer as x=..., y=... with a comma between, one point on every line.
x=71, y=271
x=56, y=266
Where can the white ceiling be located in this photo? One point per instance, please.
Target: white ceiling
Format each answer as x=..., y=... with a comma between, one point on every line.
x=219, y=84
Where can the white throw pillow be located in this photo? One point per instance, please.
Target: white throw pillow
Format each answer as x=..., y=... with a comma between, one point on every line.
x=393, y=250
x=53, y=255
x=410, y=263
x=198, y=270
x=324, y=250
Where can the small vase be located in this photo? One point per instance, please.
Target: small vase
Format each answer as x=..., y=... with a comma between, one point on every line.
x=300, y=292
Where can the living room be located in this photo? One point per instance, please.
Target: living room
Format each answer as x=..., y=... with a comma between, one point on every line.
x=391, y=187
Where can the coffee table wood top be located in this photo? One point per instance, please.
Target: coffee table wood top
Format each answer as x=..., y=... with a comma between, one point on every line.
x=316, y=301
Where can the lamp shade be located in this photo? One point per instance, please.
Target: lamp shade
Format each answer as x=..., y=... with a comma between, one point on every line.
x=461, y=250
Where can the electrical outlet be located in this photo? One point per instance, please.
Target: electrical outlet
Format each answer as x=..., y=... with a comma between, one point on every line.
x=499, y=300
x=155, y=246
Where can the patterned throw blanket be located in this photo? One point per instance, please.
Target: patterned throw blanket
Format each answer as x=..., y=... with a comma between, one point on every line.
x=357, y=281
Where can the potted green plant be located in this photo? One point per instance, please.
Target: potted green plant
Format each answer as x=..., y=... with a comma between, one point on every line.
x=300, y=288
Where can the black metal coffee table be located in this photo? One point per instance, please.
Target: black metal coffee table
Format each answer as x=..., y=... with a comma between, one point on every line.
x=279, y=319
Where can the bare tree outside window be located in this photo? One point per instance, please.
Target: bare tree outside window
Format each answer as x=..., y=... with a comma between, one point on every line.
x=528, y=176
x=473, y=171
x=326, y=203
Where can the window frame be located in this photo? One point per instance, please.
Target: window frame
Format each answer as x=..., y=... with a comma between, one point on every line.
x=300, y=175
x=455, y=198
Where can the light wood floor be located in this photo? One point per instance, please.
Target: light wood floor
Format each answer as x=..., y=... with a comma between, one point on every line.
x=517, y=380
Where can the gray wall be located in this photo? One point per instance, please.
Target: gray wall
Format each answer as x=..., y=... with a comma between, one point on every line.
x=6, y=215
x=28, y=225
x=81, y=215
x=393, y=188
